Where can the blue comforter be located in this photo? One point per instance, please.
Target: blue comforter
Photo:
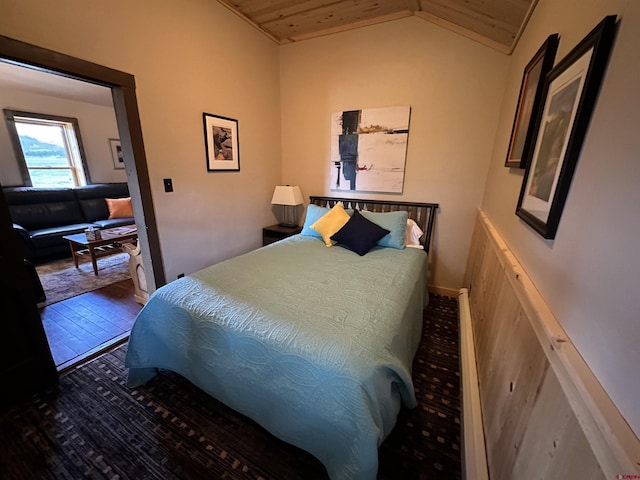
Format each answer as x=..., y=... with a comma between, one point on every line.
x=313, y=343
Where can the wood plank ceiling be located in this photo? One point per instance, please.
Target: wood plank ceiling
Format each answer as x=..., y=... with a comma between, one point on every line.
x=495, y=23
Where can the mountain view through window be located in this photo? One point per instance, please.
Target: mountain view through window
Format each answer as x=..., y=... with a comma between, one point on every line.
x=45, y=155
x=50, y=153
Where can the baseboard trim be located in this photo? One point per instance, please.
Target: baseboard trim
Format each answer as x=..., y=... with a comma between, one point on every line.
x=447, y=292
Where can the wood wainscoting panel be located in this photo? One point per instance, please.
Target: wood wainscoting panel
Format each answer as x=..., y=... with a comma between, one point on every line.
x=544, y=413
x=553, y=444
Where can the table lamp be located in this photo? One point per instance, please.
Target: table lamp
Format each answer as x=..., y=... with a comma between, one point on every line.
x=289, y=197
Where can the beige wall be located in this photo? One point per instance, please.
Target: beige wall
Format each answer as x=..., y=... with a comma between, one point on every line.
x=184, y=67
x=187, y=57
x=454, y=87
x=589, y=274
x=97, y=124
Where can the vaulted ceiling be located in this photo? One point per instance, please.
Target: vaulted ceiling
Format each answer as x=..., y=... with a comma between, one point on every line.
x=495, y=23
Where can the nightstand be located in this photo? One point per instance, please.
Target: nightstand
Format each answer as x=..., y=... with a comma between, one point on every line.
x=277, y=232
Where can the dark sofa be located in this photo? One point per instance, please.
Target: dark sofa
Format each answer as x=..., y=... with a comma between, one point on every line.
x=42, y=216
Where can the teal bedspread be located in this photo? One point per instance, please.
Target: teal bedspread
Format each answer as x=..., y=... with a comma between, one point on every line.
x=313, y=343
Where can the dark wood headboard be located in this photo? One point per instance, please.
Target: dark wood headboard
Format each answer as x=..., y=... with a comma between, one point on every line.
x=422, y=213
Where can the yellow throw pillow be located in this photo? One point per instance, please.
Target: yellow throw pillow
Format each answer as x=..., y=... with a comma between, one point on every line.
x=119, y=207
x=330, y=223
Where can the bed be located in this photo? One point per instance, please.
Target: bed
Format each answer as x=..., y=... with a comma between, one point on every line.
x=313, y=343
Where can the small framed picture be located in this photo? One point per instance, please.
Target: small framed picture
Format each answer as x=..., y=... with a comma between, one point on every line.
x=116, y=153
x=221, y=143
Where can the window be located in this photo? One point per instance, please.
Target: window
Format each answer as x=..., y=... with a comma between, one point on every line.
x=48, y=148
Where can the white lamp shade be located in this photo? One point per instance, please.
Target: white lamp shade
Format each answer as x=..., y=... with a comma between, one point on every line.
x=287, y=195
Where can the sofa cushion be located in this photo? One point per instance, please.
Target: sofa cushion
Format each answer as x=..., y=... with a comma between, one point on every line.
x=92, y=199
x=48, y=237
x=42, y=207
x=114, y=222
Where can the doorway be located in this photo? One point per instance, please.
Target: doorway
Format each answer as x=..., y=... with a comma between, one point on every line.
x=122, y=89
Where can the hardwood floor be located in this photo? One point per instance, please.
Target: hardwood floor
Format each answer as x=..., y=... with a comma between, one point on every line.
x=82, y=326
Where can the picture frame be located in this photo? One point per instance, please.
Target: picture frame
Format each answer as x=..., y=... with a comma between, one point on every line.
x=569, y=96
x=117, y=155
x=221, y=143
x=529, y=100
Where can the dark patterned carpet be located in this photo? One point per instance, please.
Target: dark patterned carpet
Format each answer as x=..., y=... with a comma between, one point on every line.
x=92, y=426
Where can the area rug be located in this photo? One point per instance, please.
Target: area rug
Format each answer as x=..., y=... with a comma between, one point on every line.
x=92, y=426
x=61, y=279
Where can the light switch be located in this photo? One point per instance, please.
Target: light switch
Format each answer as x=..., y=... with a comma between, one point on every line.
x=168, y=185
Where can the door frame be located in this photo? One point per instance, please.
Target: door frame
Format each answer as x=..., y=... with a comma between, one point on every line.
x=125, y=104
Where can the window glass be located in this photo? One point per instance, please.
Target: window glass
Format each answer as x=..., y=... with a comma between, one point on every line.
x=50, y=153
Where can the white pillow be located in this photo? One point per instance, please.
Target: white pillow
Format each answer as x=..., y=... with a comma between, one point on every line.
x=413, y=234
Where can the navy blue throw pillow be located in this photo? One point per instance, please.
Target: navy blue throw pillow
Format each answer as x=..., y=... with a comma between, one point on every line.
x=359, y=234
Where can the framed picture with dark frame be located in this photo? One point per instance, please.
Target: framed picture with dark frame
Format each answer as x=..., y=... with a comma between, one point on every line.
x=569, y=96
x=221, y=143
x=116, y=153
x=529, y=100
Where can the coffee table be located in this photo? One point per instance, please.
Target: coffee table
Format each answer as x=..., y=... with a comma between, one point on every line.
x=107, y=245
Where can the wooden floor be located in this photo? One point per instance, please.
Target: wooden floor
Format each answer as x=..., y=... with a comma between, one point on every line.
x=87, y=323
